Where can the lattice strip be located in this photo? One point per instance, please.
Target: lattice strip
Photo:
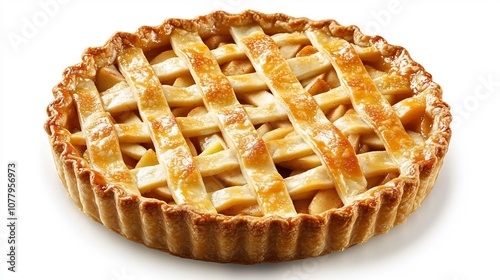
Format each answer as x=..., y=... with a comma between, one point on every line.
x=101, y=138
x=335, y=151
x=407, y=110
x=183, y=177
x=169, y=68
x=372, y=164
x=365, y=98
x=119, y=98
x=238, y=131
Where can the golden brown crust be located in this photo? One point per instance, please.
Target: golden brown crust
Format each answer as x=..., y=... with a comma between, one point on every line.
x=182, y=231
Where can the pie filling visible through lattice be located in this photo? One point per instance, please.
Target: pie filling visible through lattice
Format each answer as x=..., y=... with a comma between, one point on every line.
x=249, y=137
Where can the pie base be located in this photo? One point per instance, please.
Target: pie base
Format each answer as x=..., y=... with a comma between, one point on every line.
x=182, y=231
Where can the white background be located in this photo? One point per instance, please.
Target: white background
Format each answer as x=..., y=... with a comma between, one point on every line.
x=453, y=236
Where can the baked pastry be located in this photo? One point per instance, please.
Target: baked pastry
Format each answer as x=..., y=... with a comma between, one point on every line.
x=248, y=137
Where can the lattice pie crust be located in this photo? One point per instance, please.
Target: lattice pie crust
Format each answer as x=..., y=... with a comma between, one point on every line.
x=248, y=138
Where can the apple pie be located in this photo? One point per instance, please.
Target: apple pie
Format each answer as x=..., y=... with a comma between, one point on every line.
x=248, y=137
